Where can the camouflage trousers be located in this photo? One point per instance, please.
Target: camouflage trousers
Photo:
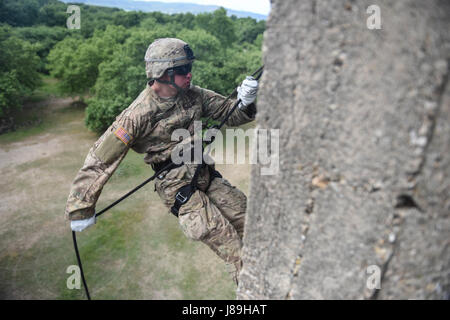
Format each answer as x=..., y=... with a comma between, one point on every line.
x=214, y=215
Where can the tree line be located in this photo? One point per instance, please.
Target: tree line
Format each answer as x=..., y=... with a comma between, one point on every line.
x=105, y=57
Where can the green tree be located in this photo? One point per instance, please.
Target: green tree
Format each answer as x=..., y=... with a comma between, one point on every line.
x=43, y=38
x=100, y=113
x=187, y=20
x=248, y=29
x=119, y=76
x=95, y=19
x=75, y=61
x=219, y=25
x=160, y=17
x=52, y=14
x=18, y=70
x=19, y=12
x=118, y=84
x=206, y=47
x=224, y=74
x=127, y=19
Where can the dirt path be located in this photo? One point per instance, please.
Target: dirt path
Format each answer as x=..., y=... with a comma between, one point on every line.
x=32, y=149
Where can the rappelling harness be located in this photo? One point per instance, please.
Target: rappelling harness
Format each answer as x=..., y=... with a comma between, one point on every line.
x=184, y=193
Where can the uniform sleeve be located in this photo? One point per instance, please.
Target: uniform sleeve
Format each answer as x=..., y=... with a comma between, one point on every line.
x=212, y=106
x=101, y=162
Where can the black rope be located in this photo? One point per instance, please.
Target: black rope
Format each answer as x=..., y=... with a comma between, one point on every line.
x=169, y=166
x=74, y=237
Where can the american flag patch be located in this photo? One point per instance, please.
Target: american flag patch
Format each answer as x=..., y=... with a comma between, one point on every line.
x=123, y=135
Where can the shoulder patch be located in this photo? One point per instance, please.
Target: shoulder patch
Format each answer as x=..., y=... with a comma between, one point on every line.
x=123, y=135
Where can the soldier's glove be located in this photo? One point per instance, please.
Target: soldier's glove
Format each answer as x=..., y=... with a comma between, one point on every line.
x=247, y=91
x=80, y=225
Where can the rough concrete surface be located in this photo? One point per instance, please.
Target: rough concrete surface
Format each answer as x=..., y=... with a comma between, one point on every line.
x=364, y=149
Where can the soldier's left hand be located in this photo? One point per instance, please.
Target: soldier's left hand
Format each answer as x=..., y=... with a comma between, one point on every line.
x=247, y=91
x=80, y=225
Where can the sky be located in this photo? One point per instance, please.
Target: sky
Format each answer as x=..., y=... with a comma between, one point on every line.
x=256, y=6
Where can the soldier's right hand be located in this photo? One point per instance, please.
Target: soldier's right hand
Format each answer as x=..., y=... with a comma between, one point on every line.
x=247, y=91
x=80, y=225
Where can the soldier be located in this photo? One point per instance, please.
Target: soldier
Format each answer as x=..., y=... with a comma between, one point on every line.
x=215, y=212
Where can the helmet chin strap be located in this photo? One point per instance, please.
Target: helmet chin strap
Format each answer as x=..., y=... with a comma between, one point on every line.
x=171, y=75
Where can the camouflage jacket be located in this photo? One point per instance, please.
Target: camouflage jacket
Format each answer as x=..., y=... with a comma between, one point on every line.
x=146, y=127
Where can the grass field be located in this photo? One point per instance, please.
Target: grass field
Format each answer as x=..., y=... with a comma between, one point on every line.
x=135, y=251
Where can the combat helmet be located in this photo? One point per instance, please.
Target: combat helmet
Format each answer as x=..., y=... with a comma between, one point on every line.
x=165, y=54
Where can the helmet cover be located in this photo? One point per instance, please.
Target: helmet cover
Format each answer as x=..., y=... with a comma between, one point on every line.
x=166, y=53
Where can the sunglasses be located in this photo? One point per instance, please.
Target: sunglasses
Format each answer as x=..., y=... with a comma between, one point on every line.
x=183, y=70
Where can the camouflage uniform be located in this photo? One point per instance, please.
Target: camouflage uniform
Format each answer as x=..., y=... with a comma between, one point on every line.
x=216, y=215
